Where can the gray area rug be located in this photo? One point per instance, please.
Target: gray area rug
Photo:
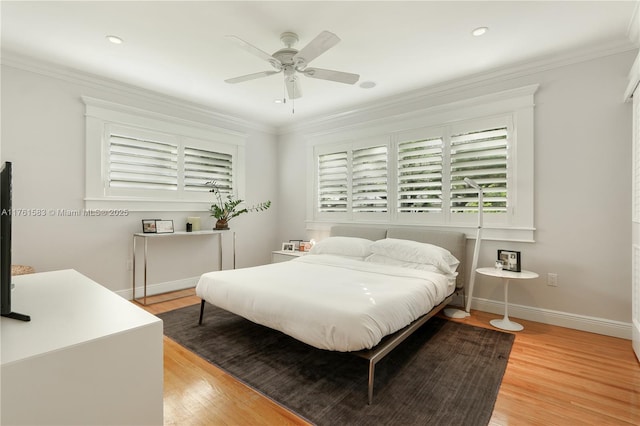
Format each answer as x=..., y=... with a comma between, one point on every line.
x=445, y=374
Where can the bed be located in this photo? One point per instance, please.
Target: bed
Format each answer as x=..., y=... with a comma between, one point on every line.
x=363, y=290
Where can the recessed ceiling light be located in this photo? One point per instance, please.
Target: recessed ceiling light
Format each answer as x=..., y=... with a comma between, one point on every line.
x=114, y=39
x=479, y=31
x=278, y=101
x=367, y=84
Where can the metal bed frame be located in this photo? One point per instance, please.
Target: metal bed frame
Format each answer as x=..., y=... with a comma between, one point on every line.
x=390, y=342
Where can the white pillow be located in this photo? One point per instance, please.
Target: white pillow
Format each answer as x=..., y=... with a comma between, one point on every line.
x=343, y=246
x=384, y=260
x=415, y=252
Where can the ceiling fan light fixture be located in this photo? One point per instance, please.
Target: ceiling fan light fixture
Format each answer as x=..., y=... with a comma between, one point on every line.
x=479, y=31
x=291, y=62
x=368, y=84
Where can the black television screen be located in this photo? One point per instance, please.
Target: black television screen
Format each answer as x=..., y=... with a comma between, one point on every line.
x=5, y=244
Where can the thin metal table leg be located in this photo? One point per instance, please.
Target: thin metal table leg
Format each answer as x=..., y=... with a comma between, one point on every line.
x=145, y=272
x=134, y=268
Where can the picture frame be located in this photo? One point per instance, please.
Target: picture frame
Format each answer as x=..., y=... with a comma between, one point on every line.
x=511, y=260
x=296, y=244
x=149, y=226
x=164, y=226
x=288, y=247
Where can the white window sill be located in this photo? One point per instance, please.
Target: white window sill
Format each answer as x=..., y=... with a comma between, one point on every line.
x=137, y=205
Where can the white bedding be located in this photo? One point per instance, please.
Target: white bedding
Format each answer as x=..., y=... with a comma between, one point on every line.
x=327, y=301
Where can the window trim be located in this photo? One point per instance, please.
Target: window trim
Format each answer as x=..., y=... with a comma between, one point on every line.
x=517, y=103
x=100, y=114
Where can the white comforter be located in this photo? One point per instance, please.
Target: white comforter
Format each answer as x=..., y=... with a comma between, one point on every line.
x=327, y=301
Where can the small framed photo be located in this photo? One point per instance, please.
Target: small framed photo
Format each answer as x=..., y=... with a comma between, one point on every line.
x=288, y=247
x=296, y=244
x=164, y=226
x=149, y=226
x=510, y=260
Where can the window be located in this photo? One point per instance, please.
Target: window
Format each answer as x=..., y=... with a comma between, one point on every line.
x=369, y=180
x=158, y=163
x=138, y=163
x=357, y=179
x=352, y=179
x=420, y=165
x=481, y=156
x=417, y=175
x=333, y=182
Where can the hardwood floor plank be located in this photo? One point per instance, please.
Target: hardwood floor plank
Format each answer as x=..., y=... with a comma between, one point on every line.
x=555, y=376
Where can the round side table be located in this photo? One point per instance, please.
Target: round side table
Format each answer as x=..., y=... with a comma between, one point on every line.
x=505, y=323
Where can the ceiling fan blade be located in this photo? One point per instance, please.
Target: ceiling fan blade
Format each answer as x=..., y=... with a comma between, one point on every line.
x=293, y=88
x=323, y=42
x=251, y=76
x=339, y=76
x=255, y=51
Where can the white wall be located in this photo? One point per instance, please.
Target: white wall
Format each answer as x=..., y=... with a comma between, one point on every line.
x=43, y=134
x=582, y=187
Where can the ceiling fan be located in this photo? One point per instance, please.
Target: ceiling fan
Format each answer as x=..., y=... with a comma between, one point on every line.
x=290, y=61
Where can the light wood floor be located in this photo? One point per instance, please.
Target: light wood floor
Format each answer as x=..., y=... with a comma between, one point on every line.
x=555, y=376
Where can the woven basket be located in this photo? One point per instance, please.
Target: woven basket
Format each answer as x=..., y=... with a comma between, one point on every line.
x=21, y=270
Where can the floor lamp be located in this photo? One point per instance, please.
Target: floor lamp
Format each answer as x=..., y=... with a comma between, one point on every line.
x=457, y=313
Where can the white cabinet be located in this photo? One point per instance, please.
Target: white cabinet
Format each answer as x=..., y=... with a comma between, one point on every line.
x=87, y=357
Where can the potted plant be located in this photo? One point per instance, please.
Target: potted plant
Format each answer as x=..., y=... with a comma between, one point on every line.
x=226, y=208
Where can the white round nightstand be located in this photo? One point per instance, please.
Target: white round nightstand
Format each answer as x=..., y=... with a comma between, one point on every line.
x=505, y=323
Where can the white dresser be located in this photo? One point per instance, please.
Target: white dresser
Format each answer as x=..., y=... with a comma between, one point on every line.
x=87, y=357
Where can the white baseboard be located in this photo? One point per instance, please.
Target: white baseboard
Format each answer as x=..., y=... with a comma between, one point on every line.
x=607, y=327
x=159, y=288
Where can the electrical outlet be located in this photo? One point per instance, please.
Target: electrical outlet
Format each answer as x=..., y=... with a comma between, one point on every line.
x=552, y=279
x=129, y=265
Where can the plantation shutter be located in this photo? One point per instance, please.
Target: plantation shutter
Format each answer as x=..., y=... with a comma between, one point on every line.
x=202, y=166
x=333, y=182
x=481, y=156
x=369, y=179
x=420, y=176
x=139, y=163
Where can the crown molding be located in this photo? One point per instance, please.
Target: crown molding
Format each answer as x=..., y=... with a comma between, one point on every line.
x=60, y=72
x=432, y=94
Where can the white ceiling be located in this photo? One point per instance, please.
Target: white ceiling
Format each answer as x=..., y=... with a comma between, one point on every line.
x=179, y=48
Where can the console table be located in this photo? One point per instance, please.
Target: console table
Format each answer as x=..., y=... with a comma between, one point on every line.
x=87, y=357
x=146, y=237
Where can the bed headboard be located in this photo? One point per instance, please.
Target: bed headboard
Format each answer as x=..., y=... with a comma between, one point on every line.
x=368, y=232
x=455, y=242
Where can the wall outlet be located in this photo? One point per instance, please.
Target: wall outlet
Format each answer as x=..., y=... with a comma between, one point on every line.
x=129, y=265
x=552, y=279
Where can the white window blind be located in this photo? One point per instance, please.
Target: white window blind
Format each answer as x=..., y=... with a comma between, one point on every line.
x=333, y=182
x=202, y=166
x=420, y=176
x=136, y=163
x=369, y=180
x=481, y=156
